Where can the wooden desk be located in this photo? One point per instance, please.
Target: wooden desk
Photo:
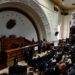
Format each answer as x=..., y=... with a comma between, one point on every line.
x=20, y=53
x=11, y=54
x=3, y=58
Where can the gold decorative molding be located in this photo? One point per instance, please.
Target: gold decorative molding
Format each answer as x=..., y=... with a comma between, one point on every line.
x=61, y=6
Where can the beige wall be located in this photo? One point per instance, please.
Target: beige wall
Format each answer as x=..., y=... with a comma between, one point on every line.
x=65, y=26
x=48, y=20
x=52, y=16
x=55, y=19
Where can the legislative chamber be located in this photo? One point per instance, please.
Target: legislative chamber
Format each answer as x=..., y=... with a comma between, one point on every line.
x=37, y=37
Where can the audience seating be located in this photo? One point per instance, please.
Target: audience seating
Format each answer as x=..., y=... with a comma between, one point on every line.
x=48, y=62
x=61, y=54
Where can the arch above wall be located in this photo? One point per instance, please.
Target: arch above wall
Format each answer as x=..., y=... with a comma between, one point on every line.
x=34, y=11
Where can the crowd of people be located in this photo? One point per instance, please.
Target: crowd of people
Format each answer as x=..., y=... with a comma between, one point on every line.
x=59, y=60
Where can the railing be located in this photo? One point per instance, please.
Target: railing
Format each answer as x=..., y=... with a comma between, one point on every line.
x=28, y=46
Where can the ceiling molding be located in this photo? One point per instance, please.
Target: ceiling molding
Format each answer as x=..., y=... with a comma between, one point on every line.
x=61, y=6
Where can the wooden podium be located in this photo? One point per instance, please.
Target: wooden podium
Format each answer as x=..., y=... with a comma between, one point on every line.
x=12, y=53
x=13, y=47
